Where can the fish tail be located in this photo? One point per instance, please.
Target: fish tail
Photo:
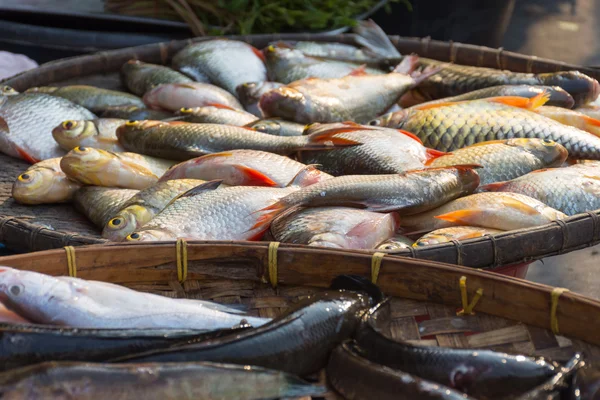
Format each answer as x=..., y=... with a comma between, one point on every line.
x=269, y=213
x=433, y=154
x=306, y=176
x=523, y=102
x=372, y=37
x=408, y=65
x=326, y=138
x=413, y=136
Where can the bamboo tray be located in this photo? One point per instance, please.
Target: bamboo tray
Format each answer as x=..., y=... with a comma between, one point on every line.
x=512, y=315
x=45, y=227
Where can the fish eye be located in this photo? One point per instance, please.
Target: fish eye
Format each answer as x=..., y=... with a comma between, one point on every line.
x=134, y=236
x=185, y=110
x=374, y=122
x=15, y=290
x=548, y=142
x=132, y=123
x=69, y=124
x=249, y=84
x=260, y=127
x=115, y=222
x=24, y=177
x=271, y=48
x=388, y=246
x=81, y=149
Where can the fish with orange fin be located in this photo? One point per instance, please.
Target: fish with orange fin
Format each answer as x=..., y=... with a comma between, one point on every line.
x=451, y=126
x=503, y=211
x=384, y=151
x=572, y=118
x=182, y=141
x=408, y=193
x=506, y=159
x=445, y=235
x=217, y=114
x=174, y=96
x=246, y=168
x=358, y=97
x=572, y=190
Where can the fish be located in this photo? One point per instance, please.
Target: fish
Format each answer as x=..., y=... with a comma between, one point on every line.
x=572, y=190
x=396, y=242
x=357, y=378
x=591, y=110
x=250, y=93
x=96, y=133
x=572, y=118
x=357, y=97
x=133, y=113
x=174, y=96
x=80, y=303
x=455, y=79
x=104, y=168
x=451, y=126
x=558, y=383
x=247, y=168
x=141, y=77
x=445, y=235
x=31, y=344
x=144, y=206
x=483, y=374
x=10, y=318
x=506, y=159
x=503, y=211
x=99, y=204
x=44, y=183
x=298, y=342
x=330, y=50
x=335, y=227
x=182, y=141
x=558, y=96
x=287, y=65
x=222, y=62
x=181, y=381
x=217, y=114
x=408, y=193
x=585, y=385
x=383, y=151
x=207, y=214
x=7, y=91
x=278, y=127
x=93, y=98
x=26, y=123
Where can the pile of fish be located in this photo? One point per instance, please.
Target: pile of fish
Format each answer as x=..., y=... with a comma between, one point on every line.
x=66, y=338
x=308, y=143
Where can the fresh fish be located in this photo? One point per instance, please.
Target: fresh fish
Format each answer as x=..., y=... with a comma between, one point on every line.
x=222, y=62
x=144, y=206
x=572, y=190
x=454, y=79
x=99, y=204
x=445, y=235
x=397, y=242
x=383, y=151
x=32, y=344
x=141, y=77
x=97, y=133
x=558, y=96
x=483, y=374
x=207, y=214
x=104, y=168
x=330, y=50
x=247, y=168
x=451, y=126
x=133, y=113
x=409, y=193
x=7, y=91
x=572, y=118
x=506, y=159
x=168, y=381
x=354, y=97
x=217, y=114
x=586, y=385
x=26, y=123
x=337, y=227
x=288, y=65
x=44, y=183
x=93, y=98
x=278, y=127
x=298, y=342
x=182, y=141
x=504, y=211
x=174, y=96
x=81, y=303
x=10, y=318
x=357, y=378
x=250, y=93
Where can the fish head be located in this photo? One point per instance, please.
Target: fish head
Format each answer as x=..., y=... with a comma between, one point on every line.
x=36, y=183
x=7, y=91
x=71, y=132
x=272, y=127
x=283, y=101
x=126, y=222
x=82, y=160
x=152, y=235
x=550, y=152
x=432, y=238
x=392, y=120
x=186, y=111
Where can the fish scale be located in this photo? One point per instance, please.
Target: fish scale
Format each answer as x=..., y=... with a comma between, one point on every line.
x=99, y=204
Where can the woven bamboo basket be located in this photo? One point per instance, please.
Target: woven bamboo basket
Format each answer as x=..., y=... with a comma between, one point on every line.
x=511, y=315
x=45, y=227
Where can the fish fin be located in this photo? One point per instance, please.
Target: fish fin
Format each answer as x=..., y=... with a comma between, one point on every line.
x=516, y=204
x=185, y=85
x=256, y=237
x=195, y=191
x=270, y=212
x=590, y=121
x=26, y=156
x=410, y=135
x=492, y=187
x=219, y=105
x=433, y=154
x=407, y=65
x=304, y=177
x=320, y=139
x=360, y=71
x=4, y=126
x=472, y=235
x=371, y=36
x=248, y=128
x=594, y=177
x=211, y=155
x=522, y=102
x=255, y=178
x=459, y=216
x=258, y=53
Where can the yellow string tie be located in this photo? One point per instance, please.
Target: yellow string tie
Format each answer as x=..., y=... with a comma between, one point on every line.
x=556, y=292
x=273, y=246
x=182, y=260
x=376, y=265
x=467, y=308
x=71, y=264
